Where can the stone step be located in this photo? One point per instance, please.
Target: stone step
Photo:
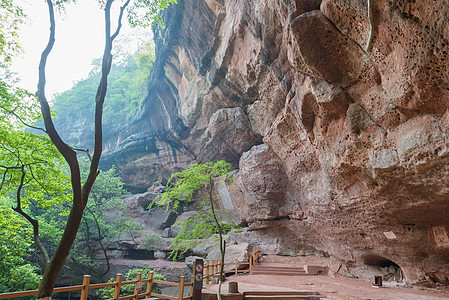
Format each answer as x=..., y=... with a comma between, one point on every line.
x=279, y=273
x=291, y=297
x=278, y=270
x=274, y=269
x=279, y=295
x=297, y=292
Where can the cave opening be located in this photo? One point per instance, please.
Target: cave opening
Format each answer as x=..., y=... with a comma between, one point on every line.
x=391, y=271
x=139, y=254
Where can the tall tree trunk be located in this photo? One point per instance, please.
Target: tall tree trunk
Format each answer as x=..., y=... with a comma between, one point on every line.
x=80, y=192
x=220, y=233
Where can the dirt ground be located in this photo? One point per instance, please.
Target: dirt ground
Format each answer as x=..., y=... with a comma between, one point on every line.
x=340, y=288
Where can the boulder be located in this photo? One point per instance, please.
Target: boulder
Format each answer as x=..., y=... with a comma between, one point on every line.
x=190, y=260
x=263, y=182
x=175, y=230
x=166, y=233
x=237, y=252
x=160, y=254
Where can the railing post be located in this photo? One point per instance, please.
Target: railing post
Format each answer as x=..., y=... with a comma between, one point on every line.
x=85, y=290
x=215, y=266
x=136, y=290
x=191, y=288
x=251, y=265
x=149, y=285
x=236, y=265
x=181, y=288
x=207, y=271
x=118, y=282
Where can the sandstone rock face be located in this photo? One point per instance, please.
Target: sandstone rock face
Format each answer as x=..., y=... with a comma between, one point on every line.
x=350, y=144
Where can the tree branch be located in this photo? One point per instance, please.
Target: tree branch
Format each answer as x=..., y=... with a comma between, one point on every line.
x=119, y=25
x=3, y=177
x=34, y=222
x=38, y=182
x=99, y=99
x=101, y=244
x=22, y=121
x=83, y=150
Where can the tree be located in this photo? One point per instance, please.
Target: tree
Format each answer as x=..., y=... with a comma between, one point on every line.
x=181, y=187
x=81, y=190
x=24, y=159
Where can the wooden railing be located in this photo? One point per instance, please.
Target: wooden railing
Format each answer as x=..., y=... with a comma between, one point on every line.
x=117, y=285
x=257, y=255
x=211, y=268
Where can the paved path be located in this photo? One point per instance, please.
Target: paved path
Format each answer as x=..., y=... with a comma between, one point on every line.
x=332, y=288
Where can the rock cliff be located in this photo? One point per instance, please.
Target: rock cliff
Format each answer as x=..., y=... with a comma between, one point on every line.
x=338, y=148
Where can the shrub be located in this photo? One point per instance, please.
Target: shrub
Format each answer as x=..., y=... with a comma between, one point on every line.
x=153, y=241
x=108, y=292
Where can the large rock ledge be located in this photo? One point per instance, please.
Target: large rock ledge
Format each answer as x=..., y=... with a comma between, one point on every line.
x=351, y=153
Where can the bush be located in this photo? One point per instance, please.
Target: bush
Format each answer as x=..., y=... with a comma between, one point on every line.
x=108, y=292
x=153, y=241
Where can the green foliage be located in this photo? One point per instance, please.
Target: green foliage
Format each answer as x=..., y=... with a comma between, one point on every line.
x=17, y=104
x=34, y=154
x=15, y=241
x=182, y=187
x=29, y=152
x=11, y=16
x=108, y=293
x=104, y=196
x=125, y=225
x=147, y=12
x=152, y=241
x=24, y=278
x=195, y=231
x=126, y=91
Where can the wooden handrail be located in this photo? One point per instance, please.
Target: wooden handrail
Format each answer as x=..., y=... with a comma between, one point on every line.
x=164, y=296
x=212, y=266
x=211, y=270
x=86, y=286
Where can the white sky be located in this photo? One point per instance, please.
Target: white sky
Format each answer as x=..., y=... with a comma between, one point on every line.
x=79, y=39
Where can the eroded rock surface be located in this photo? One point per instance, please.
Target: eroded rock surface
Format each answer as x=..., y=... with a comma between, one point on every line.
x=351, y=145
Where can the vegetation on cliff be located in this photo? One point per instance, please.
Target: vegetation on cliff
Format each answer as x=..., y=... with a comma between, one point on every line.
x=127, y=87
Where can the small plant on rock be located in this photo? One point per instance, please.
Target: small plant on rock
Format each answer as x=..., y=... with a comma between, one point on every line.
x=181, y=187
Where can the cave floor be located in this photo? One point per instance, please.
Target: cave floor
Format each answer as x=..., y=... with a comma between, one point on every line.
x=331, y=287
x=339, y=287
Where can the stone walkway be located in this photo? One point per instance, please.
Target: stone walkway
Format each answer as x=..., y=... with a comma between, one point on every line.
x=331, y=288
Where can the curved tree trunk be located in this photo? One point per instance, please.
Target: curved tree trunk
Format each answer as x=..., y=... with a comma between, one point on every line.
x=80, y=192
